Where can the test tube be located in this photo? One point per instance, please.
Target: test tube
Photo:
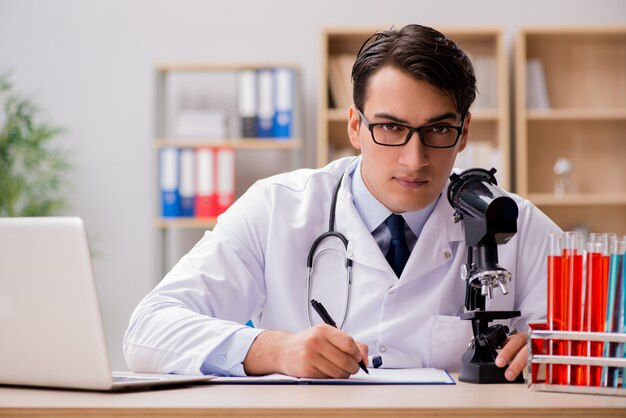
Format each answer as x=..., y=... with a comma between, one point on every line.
x=574, y=285
x=622, y=315
x=607, y=241
x=613, y=308
x=621, y=304
x=556, y=373
x=594, y=296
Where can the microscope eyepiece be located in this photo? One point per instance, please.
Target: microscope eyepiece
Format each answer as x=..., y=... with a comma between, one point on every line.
x=489, y=218
x=487, y=210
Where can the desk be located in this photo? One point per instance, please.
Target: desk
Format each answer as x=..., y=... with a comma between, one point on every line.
x=460, y=400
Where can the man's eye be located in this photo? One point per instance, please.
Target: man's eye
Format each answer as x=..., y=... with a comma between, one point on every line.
x=391, y=127
x=439, y=129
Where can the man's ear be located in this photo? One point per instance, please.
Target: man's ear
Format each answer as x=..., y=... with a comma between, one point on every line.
x=354, y=125
x=465, y=134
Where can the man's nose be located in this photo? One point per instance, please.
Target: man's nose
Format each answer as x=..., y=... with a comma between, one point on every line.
x=413, y=153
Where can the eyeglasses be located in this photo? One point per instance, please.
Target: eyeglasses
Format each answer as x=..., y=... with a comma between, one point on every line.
x=393, y=134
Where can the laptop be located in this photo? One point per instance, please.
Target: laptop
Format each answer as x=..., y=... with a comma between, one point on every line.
x=50, y=323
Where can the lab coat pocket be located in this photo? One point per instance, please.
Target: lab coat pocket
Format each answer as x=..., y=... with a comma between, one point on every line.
x=449, y=340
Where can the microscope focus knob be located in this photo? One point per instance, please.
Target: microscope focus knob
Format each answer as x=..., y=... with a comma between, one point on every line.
x=494, y=336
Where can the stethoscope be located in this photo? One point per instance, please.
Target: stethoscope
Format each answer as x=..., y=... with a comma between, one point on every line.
x=331, y=233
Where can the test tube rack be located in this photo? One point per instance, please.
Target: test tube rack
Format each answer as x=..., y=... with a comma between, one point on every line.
x=534, y=381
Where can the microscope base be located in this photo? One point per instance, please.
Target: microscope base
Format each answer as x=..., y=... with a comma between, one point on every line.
x=485, y=373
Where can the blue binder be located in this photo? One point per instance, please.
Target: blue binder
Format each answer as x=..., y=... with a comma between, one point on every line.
x=284, y=99
x=187, y=189
x=169, y=181
x=266, y=108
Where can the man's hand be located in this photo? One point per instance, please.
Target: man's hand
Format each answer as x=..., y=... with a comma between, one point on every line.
x=320, y=352
x=514, y=353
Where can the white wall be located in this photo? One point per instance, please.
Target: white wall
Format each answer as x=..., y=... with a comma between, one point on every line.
x=90, y=65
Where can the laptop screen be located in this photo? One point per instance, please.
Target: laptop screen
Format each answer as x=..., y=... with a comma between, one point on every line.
x=52, y=333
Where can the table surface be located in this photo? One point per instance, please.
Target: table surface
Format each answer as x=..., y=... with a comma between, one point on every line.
x=462, y=399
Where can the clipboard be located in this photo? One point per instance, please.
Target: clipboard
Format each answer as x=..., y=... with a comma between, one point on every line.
x=413, y=376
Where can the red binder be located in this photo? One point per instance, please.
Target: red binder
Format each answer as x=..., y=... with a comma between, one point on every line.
x=225, y=176
x=206, y=196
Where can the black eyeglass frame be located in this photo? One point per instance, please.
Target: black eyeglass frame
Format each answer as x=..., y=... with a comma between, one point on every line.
x=371, y=126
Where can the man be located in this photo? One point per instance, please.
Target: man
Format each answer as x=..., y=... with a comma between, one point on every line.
x=253, y=265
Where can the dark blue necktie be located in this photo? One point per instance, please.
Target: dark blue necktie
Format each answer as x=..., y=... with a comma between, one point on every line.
x=398, y=252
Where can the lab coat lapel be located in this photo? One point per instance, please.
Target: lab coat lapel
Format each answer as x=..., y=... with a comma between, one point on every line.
x=433, y=247
x=362, y=248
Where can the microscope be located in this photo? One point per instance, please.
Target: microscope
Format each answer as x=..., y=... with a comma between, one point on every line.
x=489, y=216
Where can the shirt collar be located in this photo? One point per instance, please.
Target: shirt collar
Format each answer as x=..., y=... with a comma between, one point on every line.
x=373, y=212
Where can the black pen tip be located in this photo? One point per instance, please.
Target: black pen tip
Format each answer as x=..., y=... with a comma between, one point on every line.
x=362, y=366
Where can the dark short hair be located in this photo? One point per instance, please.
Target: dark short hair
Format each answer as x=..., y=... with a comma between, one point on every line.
x=423, y=53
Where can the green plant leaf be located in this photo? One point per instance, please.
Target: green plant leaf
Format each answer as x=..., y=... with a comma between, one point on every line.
x=32, y=167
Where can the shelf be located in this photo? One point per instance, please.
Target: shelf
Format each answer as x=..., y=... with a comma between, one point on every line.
x=486, y=115
x=584, y=70
x=338, y=115
x=189, y=223
x=238, y=143
x=598, y=114
x=200, y=68
x=588, y=199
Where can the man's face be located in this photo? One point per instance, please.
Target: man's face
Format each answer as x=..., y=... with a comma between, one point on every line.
x=408, y=177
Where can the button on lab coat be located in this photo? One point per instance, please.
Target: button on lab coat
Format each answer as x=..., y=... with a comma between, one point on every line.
x=253, y=266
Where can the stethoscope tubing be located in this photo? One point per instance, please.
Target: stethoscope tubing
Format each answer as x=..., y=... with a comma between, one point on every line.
x=331, y=233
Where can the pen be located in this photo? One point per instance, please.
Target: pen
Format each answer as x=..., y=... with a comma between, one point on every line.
x=323, y=313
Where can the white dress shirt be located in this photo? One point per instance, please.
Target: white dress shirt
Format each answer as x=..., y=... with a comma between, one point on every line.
x=373, y=213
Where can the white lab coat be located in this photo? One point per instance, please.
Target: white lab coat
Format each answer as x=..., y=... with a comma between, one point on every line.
x=253, y=266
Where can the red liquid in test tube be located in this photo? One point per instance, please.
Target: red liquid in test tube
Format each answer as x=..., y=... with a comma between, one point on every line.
x=573, y=263
x=556, y=373
x=607, y=240
x=594, y=296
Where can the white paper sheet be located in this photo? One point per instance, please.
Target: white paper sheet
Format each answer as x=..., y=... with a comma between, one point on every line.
x=419, y=376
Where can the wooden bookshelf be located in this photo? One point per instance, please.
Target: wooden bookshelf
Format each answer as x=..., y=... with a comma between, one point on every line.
x=585, y=122
x=490, y=123
x=186, y=223
x=254, y=157
x=237, y=143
